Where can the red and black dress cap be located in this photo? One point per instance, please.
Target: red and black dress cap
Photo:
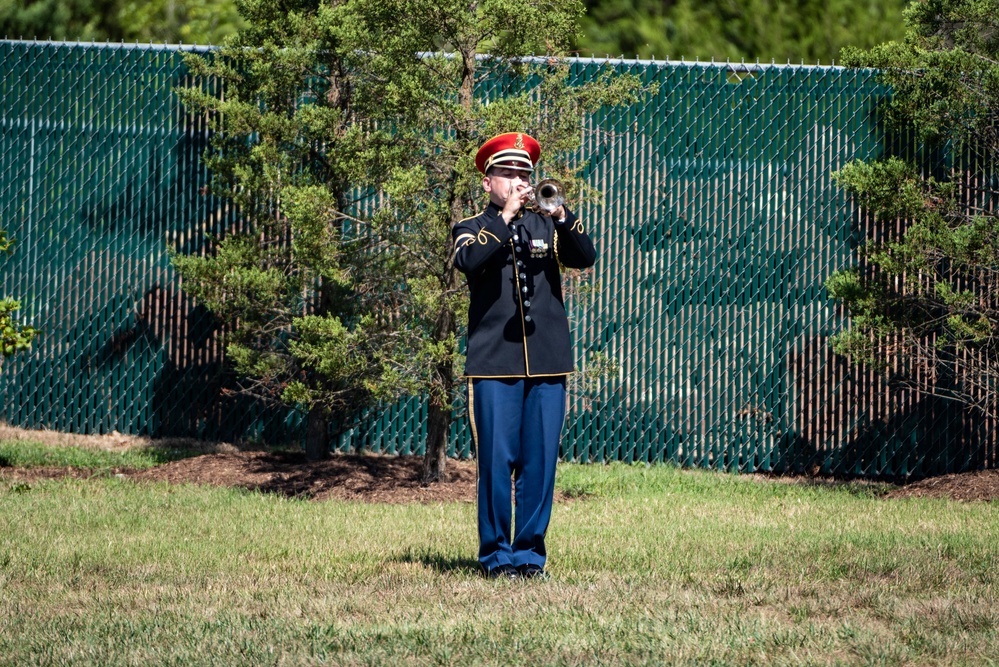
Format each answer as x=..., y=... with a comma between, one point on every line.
x=513, y=150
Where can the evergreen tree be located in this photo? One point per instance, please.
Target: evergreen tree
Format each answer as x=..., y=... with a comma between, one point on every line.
x=925, y=302
x=300, y=282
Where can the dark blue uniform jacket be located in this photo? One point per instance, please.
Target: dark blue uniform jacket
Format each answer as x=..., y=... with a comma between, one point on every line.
x=517, y=326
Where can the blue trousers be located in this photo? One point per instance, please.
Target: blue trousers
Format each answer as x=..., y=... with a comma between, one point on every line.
x=516, y=425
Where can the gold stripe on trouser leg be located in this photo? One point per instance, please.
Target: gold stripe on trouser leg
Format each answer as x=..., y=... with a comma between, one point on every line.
x=475, y=442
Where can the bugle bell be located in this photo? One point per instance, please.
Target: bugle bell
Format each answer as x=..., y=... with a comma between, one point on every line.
x=548, y=195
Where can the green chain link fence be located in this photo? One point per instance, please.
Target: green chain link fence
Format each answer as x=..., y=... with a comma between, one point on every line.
x=718, y=227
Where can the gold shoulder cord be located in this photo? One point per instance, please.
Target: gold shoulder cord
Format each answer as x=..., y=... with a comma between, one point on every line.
x=555, y=243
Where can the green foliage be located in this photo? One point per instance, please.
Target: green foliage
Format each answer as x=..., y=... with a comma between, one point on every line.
x=925, y=305
x=805, y=30
x=298, y=281
x=185, y=22
x=160, y=21
x=14, y=337
x=892, y=187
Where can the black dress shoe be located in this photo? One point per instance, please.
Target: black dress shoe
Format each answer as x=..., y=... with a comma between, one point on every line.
x=503, y=572
x=532, y=571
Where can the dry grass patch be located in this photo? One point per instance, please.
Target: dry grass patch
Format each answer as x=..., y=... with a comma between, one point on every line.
x=112, y=442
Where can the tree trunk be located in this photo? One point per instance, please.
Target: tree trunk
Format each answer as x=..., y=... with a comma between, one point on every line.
x=435, y=457
x=439, y=410
x=442, y=391
x=317, y=434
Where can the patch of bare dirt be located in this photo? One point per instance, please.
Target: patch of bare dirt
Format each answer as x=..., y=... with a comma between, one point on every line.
x=368, y=478
x=978, y=485
x=982, y=485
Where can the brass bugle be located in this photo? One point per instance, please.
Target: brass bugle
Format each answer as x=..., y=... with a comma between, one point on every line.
x=548, y=195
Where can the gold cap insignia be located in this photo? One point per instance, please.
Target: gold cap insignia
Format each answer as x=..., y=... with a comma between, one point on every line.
x=520, y=141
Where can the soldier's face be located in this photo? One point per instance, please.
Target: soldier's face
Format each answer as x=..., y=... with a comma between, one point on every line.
x=502, y=182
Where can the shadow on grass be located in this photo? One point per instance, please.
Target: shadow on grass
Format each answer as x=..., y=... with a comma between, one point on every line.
x=875, y=487
x=440, y=563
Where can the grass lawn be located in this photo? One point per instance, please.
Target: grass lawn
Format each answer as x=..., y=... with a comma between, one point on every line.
x=652, y=566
